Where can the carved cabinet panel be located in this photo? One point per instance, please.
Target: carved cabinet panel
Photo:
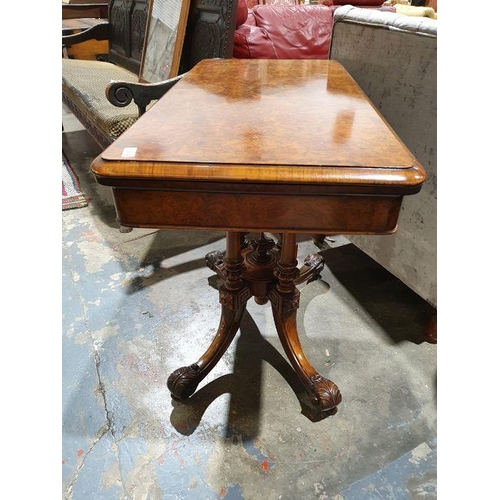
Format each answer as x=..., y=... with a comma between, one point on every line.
x=210, y=31
x=128, y=27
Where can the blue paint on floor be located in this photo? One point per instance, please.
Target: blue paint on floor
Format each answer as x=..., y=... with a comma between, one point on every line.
x=409, y=477
x=233, y=492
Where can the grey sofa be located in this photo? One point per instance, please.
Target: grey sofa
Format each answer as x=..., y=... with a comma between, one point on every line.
x=393, y=59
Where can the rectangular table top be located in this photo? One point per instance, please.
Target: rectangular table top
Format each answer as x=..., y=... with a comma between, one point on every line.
x=263, y=121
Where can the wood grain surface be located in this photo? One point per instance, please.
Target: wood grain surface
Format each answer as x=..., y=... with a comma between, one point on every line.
x=261, y=145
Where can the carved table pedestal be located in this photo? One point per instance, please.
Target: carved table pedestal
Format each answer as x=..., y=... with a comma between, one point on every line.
x=261, y=147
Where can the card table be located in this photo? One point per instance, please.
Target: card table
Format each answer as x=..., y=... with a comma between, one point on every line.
x=265, y=147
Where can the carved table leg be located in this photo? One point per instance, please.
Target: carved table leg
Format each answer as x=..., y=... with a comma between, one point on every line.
x=183, y=382
x=323, y=393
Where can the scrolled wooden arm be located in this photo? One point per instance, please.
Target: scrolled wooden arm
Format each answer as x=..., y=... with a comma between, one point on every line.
x=98, y=32
x=121, y=94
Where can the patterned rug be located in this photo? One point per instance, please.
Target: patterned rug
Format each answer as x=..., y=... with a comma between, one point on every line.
x=72, y=196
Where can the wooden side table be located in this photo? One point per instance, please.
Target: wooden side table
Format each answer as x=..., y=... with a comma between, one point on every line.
x=97, y=9
x=81, y=16
x=261, y=146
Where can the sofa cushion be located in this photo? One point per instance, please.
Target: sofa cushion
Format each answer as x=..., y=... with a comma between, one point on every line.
x=296, y=31
x=252, y=42
x=250, y=19
x=241, y=12
x=85, y=83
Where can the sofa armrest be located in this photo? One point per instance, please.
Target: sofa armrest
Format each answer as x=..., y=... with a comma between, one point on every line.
x=400, y=22
x=121, y=94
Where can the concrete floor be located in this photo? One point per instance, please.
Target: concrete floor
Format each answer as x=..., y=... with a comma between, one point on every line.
x=138, y=305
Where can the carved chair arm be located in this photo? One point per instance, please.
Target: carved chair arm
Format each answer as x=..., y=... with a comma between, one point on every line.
x=98, y=32
x=122, y=93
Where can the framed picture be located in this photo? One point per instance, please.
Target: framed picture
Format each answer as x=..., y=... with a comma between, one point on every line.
x=165, y=31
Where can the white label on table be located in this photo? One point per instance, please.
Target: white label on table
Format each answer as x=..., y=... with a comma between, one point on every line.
x=129, y=152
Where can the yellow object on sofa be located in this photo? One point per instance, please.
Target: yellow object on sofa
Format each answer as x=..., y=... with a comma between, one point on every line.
x=413, y=10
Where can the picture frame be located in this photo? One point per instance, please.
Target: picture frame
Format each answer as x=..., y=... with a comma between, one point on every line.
x=165, y=32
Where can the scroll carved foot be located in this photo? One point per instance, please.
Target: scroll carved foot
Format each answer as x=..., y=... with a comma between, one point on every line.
x=183, y=382
x=327, y=394
x=323, y=395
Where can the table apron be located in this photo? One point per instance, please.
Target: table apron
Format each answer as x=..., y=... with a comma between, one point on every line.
x=345, y=214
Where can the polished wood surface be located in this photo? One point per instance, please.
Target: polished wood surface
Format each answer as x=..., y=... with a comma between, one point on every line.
x=264, y=113
x=239, y=211
x=297, y=138
x=255, y=146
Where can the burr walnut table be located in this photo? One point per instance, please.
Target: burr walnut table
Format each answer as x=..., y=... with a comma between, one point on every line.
x=269, y=147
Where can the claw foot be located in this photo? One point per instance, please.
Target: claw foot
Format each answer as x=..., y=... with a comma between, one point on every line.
x=327, y=395
x=183, y=382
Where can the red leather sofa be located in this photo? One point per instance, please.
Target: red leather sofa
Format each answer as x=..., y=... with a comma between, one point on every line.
x=288, y=31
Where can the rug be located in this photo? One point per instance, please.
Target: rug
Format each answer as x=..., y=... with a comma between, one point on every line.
x=72, y=196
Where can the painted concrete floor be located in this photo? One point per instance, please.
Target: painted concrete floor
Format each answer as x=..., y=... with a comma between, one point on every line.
x=138, y=305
